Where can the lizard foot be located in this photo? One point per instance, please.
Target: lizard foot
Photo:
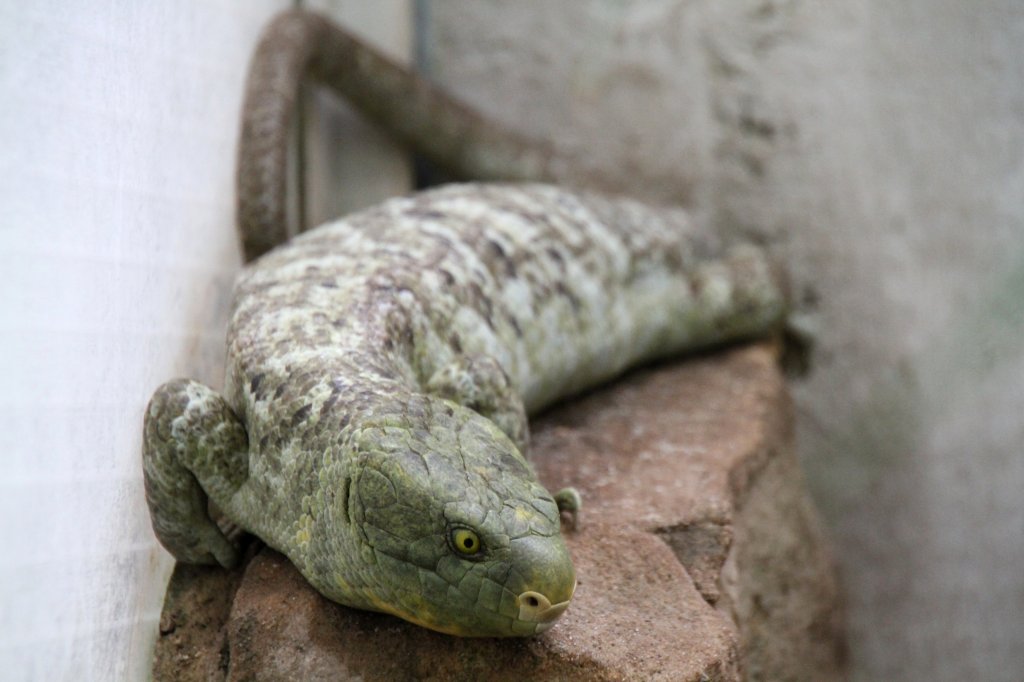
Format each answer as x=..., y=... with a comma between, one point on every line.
x=569, y=500
x=194, y=447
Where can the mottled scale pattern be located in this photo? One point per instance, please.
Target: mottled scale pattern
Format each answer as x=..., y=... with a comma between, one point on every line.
x=381, y=367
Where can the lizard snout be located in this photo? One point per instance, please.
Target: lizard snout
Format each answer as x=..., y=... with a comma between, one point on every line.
x=548, y=580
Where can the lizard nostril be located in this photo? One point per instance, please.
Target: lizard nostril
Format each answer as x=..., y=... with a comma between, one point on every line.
x=535, y=607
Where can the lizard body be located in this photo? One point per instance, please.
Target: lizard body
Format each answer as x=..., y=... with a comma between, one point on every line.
x=378, y=376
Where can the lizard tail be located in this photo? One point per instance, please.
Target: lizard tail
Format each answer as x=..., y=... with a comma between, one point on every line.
x=298, y=44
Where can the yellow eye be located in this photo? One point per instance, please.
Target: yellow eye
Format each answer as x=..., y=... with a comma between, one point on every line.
x=465, y=541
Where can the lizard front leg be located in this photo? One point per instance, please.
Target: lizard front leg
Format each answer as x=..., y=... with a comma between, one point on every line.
x=194, y=447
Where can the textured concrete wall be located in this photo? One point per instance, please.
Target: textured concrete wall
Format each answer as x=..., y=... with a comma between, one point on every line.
x=879, y=146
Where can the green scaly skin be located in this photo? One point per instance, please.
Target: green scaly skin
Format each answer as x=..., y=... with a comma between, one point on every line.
x=379, y=373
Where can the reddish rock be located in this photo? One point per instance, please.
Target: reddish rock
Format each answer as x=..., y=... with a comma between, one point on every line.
x=697, y=553
x=193, y=644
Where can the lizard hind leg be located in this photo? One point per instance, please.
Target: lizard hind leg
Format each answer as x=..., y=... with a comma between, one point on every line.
x=194, y=448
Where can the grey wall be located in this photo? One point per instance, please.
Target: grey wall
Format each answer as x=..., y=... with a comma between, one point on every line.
x=879, y=146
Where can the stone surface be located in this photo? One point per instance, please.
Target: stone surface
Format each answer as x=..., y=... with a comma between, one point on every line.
x=193, y=642
x=697, y=553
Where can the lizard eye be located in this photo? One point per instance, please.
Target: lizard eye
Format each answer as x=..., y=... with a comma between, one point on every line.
x=465, y=541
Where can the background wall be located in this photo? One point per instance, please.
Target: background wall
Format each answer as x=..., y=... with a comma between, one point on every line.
x=879, y=146
x=117, y=255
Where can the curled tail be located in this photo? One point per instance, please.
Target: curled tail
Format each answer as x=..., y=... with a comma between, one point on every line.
x=299, y=44
x=194, y=447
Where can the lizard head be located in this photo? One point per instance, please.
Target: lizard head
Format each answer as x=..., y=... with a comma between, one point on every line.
x=456, y=533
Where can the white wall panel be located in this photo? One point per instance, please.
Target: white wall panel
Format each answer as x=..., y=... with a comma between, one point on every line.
x=117, y=254
x=117, y=251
